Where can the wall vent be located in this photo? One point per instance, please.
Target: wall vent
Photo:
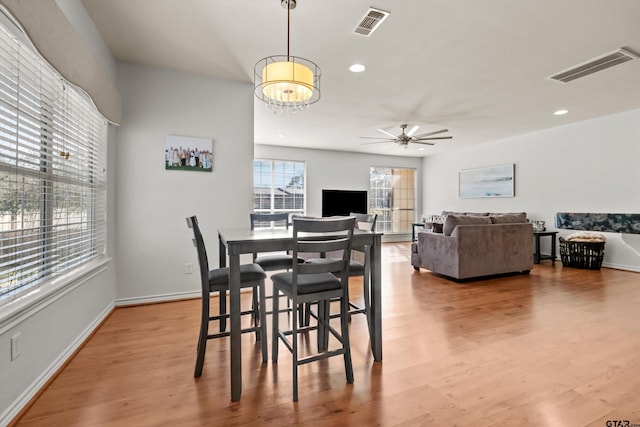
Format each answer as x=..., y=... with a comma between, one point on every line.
x=600, y=63
x=370, y=21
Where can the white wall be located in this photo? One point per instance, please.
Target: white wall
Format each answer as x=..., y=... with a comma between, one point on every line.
x=590, y=166
x=337, y=170
x=153, y=241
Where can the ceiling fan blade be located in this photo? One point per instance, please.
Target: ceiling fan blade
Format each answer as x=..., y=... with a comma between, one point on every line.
x=413, y=130
x=423, y=143
x=377, y=137
x=387, y=133
x=431, y=138
x=431, y=133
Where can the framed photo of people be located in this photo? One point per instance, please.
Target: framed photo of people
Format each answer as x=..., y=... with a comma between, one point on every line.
x=188, y=153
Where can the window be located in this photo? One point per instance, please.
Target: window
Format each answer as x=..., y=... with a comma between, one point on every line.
x=392, y=195
x=52, y=171
x=278, y=186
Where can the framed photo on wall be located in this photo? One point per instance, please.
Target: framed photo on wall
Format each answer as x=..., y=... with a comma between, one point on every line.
x=491, y=181
x=188, y=153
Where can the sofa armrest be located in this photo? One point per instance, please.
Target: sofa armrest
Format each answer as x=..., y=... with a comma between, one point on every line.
x=438, y=252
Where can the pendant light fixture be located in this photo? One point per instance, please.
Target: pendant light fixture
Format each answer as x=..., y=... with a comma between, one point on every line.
x=287, y=83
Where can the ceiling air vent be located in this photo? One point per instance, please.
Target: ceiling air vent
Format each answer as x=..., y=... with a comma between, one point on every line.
x=370, y=21
x=600, y=63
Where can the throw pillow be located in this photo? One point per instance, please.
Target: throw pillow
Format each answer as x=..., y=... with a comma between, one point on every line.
x=437, y=227
x=508, y=218
x=454, y=220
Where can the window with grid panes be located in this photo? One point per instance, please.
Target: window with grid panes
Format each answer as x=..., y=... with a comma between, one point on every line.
x=278, y=186
x=52, y=171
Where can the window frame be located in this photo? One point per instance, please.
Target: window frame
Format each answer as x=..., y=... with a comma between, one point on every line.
x=272, y=187
x=45, y=119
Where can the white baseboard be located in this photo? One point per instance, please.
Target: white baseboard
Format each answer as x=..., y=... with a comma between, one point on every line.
x=12, y=411
x=123, y=302
x=622, y=267
x=396, y=237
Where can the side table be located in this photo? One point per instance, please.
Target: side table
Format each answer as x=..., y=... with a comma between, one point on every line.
x=537, y=256
x=413, y=229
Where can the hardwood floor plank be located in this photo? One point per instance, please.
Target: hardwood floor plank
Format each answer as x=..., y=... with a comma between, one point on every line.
x=557, y=347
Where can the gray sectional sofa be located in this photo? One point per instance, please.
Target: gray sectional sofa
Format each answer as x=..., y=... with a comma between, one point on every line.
x=475, y=245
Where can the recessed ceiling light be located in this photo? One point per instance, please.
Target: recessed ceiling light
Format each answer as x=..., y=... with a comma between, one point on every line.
x=281, y=135
x=357, y=68
x=420, y=149
x=561, y=112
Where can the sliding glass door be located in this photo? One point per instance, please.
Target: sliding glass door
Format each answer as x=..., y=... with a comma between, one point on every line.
x=392, y=195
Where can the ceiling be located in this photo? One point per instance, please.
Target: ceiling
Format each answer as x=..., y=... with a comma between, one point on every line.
x=477, y=68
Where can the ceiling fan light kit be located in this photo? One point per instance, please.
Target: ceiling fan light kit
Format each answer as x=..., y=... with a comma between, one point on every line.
x=287, y=83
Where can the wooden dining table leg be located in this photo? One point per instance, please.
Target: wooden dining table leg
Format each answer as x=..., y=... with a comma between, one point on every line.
x=234, y=314
x=375, y=265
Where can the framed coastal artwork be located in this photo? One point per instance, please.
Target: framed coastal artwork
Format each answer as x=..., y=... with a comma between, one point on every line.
x=188, y=153
x=490, y=181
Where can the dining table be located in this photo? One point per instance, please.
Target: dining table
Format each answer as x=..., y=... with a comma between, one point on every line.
x=242, y=240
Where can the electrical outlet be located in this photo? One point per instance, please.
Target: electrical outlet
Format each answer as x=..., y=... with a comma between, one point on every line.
x=16, y=346
x=188, y=268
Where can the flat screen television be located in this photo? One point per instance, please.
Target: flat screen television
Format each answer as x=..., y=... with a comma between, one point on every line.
x=343, y=202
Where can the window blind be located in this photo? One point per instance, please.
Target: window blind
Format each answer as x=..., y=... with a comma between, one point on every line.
x=52, y=171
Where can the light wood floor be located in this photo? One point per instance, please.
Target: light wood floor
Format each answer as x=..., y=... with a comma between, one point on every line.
x=559, y=347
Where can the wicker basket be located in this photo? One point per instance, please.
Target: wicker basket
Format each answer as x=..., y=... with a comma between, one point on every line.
x=581, y=254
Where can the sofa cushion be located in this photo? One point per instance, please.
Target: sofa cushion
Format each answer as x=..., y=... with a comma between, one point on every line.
x=454, y=220
x=524, y=214
x=508, y=218
x=445, y=213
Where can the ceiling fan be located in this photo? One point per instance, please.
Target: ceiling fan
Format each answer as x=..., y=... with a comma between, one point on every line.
x=405, y=138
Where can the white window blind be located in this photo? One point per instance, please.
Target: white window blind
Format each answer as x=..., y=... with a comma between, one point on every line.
x=52, y=171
